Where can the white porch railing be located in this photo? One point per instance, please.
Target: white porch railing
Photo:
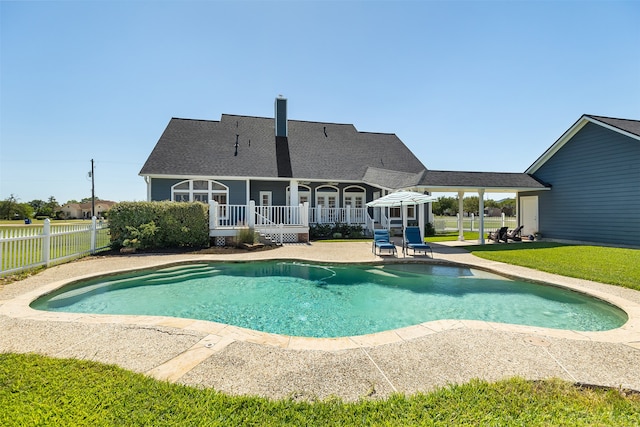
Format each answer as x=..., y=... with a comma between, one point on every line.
x=23, y=248
x=346, y=215
x=237, y=216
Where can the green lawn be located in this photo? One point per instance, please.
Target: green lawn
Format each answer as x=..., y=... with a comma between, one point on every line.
x=36, y=390
x=452, y=235
x=616, y=266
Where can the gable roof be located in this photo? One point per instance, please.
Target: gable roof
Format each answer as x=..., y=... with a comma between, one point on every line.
x=317, y=151
x=627, y=127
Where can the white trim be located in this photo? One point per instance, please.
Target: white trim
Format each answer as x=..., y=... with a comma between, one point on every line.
x=327, y=194
x=269, y=195
x=210, y=192
x=455, y=189
x=613, y=128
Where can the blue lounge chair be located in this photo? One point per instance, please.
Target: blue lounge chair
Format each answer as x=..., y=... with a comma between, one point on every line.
x=381, y=242
x=413, y=240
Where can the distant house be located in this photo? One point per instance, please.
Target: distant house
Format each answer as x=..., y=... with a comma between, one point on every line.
x=593, y=170
x=281, y=174
x=83, y=210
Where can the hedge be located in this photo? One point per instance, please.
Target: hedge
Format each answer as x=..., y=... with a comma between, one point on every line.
x=147, y=225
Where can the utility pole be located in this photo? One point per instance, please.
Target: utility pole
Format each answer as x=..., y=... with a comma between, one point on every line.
x=93, y=193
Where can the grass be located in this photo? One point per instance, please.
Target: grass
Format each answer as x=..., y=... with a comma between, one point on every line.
x=36, y=390
x=616, y=266
x=447, y=237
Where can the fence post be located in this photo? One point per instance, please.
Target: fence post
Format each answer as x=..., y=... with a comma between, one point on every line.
x=502, y=215
x=46, y=242
x=305, y=214
x=94, y=232
x=213, y=214
x=472, y=218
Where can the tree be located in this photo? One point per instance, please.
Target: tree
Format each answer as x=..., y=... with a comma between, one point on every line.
x=11, y=209
x=471, y=204
x=445, y=206
x=508, y=206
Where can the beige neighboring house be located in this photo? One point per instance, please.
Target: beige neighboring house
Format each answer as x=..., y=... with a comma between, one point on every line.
x=83, y=210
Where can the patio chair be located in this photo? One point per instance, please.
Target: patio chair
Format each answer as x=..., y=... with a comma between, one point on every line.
x=413, y=240
x=382, y=242
x=515, y=235
x=499, y=235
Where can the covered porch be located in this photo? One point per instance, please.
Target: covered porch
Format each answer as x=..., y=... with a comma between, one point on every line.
x=281, y=224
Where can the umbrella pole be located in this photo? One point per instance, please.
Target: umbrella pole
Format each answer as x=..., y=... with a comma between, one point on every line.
x=402, y=223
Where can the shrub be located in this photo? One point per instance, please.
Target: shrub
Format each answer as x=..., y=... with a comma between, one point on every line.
x=246, y=235
x=335, y=231
x=429, y=229
x=149, y=225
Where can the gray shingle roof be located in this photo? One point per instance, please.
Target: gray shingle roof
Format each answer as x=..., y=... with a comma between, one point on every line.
x=627, y=125
x=495, y=181
x=317, y=150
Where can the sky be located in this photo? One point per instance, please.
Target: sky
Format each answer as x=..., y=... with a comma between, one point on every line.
x=466, y=85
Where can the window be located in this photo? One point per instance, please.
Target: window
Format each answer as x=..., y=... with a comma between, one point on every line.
x=304, y=194
x=396, y=212
x=354, y=196
x=199, y=191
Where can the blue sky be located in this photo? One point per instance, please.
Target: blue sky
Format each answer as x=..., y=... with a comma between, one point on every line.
x=467, y=85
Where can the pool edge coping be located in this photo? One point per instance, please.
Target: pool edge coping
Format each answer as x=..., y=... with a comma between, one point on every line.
x=629, y=333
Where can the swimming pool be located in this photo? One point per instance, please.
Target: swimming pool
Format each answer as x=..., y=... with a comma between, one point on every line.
x=320, y=300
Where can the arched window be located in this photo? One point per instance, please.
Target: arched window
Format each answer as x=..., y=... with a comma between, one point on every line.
x=199, y=191
x=327, y=196
x=304, y=194
x=354, y=196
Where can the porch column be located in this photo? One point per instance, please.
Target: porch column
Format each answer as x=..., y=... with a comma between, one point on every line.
x=293, y=193
x=460, y=216
x=481, y=207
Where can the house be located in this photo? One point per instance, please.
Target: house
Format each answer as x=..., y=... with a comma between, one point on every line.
x=83, y=210
x=593, y=171
x=280, y=175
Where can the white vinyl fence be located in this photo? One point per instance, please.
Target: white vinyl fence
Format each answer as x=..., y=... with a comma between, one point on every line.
x=472, y=223
x=23, y=248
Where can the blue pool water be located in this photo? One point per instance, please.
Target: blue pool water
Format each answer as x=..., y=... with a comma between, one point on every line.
x=315, y=300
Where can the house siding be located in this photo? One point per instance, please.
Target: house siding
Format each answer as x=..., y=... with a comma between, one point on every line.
x=595, y=194
x=161, y=189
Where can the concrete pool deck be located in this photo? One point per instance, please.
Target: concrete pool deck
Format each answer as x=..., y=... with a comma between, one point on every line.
x=239, y=361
